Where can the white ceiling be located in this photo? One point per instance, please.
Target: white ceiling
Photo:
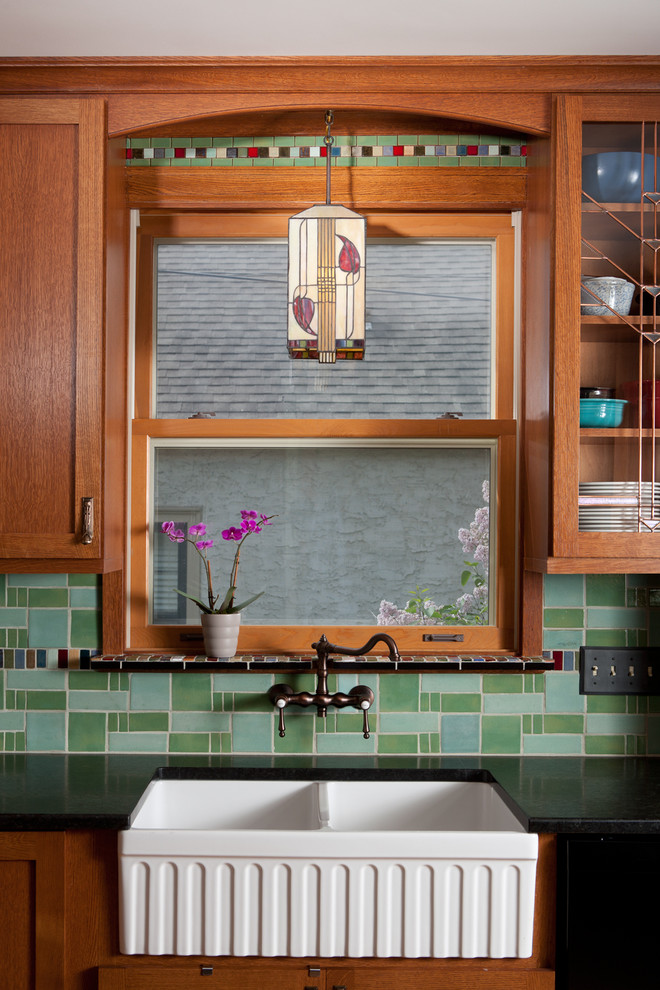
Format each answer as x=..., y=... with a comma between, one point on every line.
x=343, y=27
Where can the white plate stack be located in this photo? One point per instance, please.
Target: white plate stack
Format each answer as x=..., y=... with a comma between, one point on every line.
x=622, y=513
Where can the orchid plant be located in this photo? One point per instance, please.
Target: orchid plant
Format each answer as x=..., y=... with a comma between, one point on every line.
x=251, y=522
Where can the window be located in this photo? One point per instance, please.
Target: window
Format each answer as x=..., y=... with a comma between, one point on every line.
x=372, y=467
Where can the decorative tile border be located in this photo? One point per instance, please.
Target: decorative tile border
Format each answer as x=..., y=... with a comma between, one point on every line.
x=26, y=659
x=430, y=150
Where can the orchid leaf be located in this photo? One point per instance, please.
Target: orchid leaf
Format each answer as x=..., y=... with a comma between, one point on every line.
x=237, y=608
x=192, y=598
x=224, y=607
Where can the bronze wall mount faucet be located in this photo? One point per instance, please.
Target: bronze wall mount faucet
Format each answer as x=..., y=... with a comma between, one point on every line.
x=360, y=696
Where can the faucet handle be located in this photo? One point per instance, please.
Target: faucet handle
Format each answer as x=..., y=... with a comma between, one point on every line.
x=279, y=695
x=365, y=719
x=281, y=705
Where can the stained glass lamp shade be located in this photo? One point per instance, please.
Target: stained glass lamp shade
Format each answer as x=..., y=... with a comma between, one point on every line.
x=326, y=300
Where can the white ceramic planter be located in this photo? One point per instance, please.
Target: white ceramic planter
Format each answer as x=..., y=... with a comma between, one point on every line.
x=221, y=634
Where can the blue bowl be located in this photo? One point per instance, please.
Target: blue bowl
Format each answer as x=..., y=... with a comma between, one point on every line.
x=616, y=176
x=602, y=412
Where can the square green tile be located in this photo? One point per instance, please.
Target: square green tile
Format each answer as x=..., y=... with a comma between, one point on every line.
x=253, y=733
x=45, y=732
x=191, y=692
x=460, y=733
x=399, y=693
x=87, y=732
x=562, y=692
x=501, y=734
x=151, y=692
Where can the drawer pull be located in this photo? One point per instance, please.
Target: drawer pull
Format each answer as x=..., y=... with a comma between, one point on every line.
x=87, y=520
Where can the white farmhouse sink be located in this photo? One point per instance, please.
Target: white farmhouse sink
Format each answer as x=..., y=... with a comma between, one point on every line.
x=326, y=868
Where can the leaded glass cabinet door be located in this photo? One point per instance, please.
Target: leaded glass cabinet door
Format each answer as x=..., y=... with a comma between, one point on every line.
x=606, y=491
x=620, y=330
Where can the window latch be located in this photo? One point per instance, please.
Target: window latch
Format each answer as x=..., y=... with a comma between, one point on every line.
x=443, y=637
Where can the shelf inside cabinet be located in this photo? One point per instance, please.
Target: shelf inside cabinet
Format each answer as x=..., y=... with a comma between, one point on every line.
x=605, y=434
x=648, y=206
x=612, y=329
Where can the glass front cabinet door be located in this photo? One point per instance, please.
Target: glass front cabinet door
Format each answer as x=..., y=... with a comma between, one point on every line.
x=606, y=425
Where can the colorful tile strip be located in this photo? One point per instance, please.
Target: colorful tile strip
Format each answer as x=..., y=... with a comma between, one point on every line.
x=410, y=149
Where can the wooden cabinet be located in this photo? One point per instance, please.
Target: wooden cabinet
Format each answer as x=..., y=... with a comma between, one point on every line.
x=61, y=376
x=285, y=975
x=601, y=515
x=32, y=911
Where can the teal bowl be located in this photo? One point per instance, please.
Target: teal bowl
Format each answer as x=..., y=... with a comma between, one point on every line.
x=602, y=412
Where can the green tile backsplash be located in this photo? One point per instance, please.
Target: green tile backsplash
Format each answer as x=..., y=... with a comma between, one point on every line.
x=53, y=621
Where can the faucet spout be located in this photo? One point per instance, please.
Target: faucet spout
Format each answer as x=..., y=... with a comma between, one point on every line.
x=324, y=649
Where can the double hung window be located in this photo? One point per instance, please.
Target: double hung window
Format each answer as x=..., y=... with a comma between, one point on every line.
x=392, y=479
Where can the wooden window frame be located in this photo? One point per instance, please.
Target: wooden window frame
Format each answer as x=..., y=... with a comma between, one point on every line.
x=500, y=430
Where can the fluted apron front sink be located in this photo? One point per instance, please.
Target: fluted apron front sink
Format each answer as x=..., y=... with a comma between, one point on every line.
x=326, y=868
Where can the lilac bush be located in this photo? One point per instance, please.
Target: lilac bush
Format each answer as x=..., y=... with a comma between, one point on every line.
x=472, y=607
x=251, y=522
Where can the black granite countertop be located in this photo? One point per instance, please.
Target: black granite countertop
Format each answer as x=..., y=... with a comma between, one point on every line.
x=597, y=795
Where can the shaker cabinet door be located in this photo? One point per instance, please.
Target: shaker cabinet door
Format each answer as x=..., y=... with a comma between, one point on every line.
x=52, y=178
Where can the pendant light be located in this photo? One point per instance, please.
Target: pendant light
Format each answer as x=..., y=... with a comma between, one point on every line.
x=326, y=278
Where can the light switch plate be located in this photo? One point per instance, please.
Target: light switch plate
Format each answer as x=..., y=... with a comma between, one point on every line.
x=619, y=670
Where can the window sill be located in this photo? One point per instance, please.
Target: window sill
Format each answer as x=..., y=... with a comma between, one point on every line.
x=264, y=664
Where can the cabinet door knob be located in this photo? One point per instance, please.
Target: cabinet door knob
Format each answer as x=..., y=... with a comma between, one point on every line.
x=87, y=520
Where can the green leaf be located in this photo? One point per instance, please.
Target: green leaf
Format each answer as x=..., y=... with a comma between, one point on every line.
x=224, y=607
x=192, y=598
x=465, y=577
x=237, y=608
